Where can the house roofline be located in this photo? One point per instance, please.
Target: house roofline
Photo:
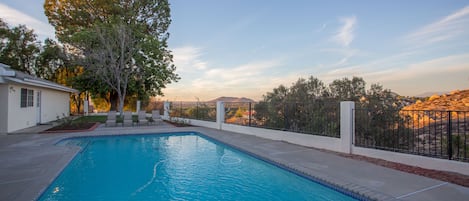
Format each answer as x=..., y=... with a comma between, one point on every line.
x=8, y=74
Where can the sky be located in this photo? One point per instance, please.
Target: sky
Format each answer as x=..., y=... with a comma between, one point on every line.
x=245, y=48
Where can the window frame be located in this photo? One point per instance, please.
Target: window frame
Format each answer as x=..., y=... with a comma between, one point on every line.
x=26, y=98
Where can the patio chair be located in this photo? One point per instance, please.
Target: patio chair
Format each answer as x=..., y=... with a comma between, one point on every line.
x=111, y=118
x=127, y=119
x=156, y=117
x=142, y=117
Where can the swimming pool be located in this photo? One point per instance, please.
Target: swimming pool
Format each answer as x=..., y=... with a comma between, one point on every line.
x=181, y=166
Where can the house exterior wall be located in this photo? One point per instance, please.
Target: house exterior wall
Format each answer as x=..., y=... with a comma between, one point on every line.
x=53, y=103
x=3, y=108
x=18, y=117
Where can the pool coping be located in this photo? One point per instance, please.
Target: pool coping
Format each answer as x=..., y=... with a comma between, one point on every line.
x=37, y=145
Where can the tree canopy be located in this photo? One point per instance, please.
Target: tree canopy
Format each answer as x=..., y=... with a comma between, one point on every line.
x=18, y=47
x=312, y=107
x=121, y=44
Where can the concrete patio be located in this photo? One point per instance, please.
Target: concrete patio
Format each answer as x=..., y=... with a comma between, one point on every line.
x=30, y=162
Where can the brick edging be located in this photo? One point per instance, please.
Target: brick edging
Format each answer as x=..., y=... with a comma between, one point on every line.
x=72, y=131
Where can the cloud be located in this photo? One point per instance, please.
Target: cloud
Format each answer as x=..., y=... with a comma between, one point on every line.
x=437, y=67
x=14, y=18
x=431, y=71
x=246, y=74
x=344, y=38
x=187, y=59
x=448, y=27
x=247, y=79
x=345, y=34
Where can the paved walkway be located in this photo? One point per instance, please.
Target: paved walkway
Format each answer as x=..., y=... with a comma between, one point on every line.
x=30, y=162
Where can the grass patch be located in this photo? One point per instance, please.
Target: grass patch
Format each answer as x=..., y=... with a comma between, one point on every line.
x=90, y=119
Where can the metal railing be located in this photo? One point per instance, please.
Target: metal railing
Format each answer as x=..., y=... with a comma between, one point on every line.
x=319, y=117
x=440, y=134
x=206, y=111
x=240, y=113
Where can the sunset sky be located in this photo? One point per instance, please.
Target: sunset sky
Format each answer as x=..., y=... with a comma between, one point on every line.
x=245, y=48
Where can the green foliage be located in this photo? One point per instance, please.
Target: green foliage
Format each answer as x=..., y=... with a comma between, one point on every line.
x=378, y=122
x=305, y=107
x=133, y=35
x=309, y=106
x=459, y=147
x=348, y=90
x=51, y=58
x=18, y=47
x=90, y=119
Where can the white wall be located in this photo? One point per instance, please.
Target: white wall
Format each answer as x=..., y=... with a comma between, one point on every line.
x=54, y=103
x=321, y=142
x=414, y=160
x=18, y=117
x=195, y=122
x=3, y=108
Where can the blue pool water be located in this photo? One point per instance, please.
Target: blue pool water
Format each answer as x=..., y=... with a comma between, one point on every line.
x=175, y=167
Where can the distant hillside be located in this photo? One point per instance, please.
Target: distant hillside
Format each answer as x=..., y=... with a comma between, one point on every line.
x=231, y=99
x=455, y=101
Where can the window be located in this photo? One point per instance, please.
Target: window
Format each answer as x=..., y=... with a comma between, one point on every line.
x=27, y=97
x=30, y=98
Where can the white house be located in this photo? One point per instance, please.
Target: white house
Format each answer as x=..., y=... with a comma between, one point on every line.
x=26, y=100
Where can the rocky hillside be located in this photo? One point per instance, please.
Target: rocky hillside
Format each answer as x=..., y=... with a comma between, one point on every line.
x=455, y=101
x=232, y=99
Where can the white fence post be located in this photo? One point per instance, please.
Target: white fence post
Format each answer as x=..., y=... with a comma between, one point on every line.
x=85, y=108
x=166, y=108
x=347, y=122
x=138, y=106
x=220, y=114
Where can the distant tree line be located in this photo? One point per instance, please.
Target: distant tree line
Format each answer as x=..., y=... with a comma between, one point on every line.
x=310, y=106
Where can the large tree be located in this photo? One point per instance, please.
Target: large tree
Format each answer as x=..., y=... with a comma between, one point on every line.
x=108, y=52
x=51, y=58
x=148, y=62
x=18, y=47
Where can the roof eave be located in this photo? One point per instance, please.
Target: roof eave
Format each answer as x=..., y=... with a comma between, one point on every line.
x=37, y=83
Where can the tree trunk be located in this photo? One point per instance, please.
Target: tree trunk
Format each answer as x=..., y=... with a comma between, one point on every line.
x=114, y=99
x=121, y=104
x=78, y=103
